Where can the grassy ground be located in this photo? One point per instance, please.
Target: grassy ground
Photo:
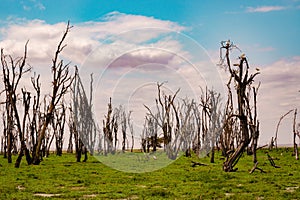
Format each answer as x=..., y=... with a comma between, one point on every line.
x=62, y=178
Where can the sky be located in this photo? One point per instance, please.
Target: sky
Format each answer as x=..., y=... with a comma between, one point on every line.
x=131, y=44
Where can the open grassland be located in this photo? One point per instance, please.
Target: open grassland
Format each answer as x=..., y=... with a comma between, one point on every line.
x=63, y=178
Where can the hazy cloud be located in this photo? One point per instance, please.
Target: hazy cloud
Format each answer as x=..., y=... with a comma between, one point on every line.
x=40, y=6
x=28, y=5
x=278, y=93
x=264, y=9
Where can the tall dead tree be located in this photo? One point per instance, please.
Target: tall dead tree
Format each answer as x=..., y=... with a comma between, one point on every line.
x=83, y=125
x=242, y=81
x=110, y=128
x=130, y=125
x=123, y=121
x=36, y=116
x=13, y=70
x=61, y=81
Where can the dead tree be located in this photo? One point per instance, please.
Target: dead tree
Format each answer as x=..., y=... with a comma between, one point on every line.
x=211, y=122
x=228, y=134
x=26, y=103
x=13, y=70
x=61, y=81
x=242, y=81
x=130, y=125
x=107, y=130
x=123, y=121
x=278, y=124
x=253, y=123
x=4, y=137
x=149, y=135
x=166, y=115
x=85, y=130
x=77, y=140
x=205, y=118
x=36, y=116
x=8, y=132
x=215, y=121
x=58, y=125
x=188, y=125
x=115, y=123
x=70, y=144
x=197, y=138
x=295, y=153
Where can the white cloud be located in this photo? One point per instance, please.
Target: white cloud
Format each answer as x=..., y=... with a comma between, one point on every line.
x=132, y=39
x=32, y=4
x=40, y=6
x=264, y=9
x=278, y=94
x=84, y=37
x=93, y=45
x=27, y=8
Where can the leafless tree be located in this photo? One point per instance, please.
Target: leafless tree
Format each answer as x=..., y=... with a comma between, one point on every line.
x=123, y=121
x=188, y=125
x=295, y=133
x=215, y=121
x=130, y=125
x=166, y=115
x=73, y=131
x=58, y=125
x=110, y=129
x=242, y=81
x=61, y=83
x=278, y=125
x=149, y=135
x=13, y=70
x=36, y=115
x=229, y=132
x=82, y=122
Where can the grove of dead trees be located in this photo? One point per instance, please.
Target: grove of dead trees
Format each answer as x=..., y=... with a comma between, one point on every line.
x=33, y=124
x=32, y=128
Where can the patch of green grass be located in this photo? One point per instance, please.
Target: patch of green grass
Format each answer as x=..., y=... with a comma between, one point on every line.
x=66, y=179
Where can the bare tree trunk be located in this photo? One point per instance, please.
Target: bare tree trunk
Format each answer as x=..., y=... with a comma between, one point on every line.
x=278, y=124
x=11, y=76
x=294, y=138
x=26, y=102
x=70, y=145
x=242, y=81
x=5, y=136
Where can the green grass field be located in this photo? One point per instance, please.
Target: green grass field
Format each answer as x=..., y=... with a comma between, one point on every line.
x=63, y=178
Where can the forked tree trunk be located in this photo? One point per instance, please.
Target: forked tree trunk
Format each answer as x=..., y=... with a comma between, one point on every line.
x=242, y=81
x=61, y=83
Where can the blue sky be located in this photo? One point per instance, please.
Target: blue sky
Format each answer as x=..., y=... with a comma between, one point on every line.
x=267, y=31
x=272, y=32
